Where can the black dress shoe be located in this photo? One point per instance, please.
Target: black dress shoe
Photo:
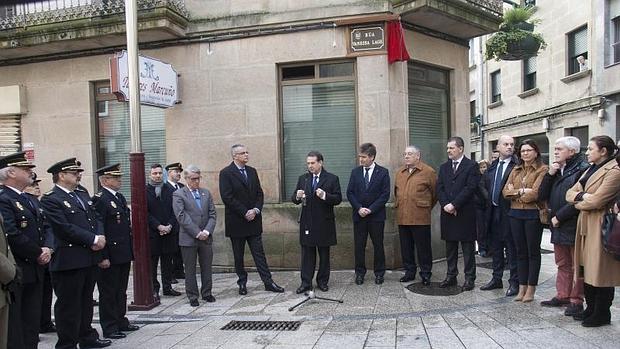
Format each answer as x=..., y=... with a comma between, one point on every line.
x=359, y=279
x=130, y=327
x=96, y=343
x=512, y=290
x=555, y=302
x=273, y=287
x=209, y=298
x=323, y=287
x=303, y=289
x=194, y=303
x=379, y=280
x=468, y=285
x=50, y=328
x=172, y=292
x=447, y=283
x=407, y=278
x=492, y=285
x=174, y=281
x=116, y=335
x=426, y=281
x=243, y=290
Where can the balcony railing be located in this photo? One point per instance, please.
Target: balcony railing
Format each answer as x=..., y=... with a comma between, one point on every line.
x=56, y=11
x=492, y=6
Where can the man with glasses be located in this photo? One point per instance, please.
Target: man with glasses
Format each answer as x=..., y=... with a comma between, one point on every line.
x=242, y=195
x=194, y=209
x=23, y=223
x=78, y=241
x=415, y=196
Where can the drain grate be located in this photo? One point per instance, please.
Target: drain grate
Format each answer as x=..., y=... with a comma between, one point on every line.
x=434, y=290
x=262, y=326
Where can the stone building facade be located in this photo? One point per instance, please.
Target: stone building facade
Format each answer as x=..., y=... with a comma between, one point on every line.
x=278, y=76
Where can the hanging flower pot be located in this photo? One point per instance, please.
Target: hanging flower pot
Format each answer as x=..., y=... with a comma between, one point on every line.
x=515, y=40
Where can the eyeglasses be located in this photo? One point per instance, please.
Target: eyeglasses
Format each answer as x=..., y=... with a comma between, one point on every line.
x=408, y=153
x=194, y=178
x=242, y=153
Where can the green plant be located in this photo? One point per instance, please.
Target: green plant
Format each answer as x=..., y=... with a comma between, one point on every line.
x=515, y=39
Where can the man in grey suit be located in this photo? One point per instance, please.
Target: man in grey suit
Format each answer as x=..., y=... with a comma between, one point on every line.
x=194, y=209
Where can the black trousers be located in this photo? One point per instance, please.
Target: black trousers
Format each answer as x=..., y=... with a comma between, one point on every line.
x=527, y=234
x=46, y=302
x=308, y=264
x=501, y=240
x=255, y=242
x=452, y=254
x=416, y=238
x=73, y=309
x=166, y=271
x=361, y=230
x=112, y=283
x=177, y=265
x=24, y=316
x=482, y=236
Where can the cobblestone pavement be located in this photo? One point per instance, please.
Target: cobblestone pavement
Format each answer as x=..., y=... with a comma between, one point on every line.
x=371, y=316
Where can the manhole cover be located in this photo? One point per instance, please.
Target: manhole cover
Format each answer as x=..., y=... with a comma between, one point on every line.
x=489, y=265
x=434, y=290
x=262, y=326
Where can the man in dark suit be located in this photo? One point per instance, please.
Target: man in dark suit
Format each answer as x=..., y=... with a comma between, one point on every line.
x=174, y=171
x=163, y=229
x=78, y=240
x=498, y=227
x=23, y=223
x=117, y=255
x=456, y=186
x=368, y=191
x=242, y=195
x=318, y=191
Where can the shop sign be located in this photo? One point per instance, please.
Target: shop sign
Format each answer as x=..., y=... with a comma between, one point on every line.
x=158, y=80
x=28, y=149
x=367, y=39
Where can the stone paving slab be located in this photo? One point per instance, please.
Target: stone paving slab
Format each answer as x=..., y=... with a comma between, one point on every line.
x=372, y=316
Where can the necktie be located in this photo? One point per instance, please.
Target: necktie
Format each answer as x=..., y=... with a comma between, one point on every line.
x=367, y=176
x=77, y=198
x=25, y=196
x=196, y=195
x=454, y=166
x=497, y=183
x=244, y=174
x=315, y=182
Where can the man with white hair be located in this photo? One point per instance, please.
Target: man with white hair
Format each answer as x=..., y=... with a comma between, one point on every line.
x=564, y=172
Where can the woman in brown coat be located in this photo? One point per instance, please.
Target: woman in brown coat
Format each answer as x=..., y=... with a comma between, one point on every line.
x=593, y=195
x=525, y=226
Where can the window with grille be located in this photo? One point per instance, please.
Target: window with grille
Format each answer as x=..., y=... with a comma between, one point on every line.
x=529, y=73
x=578, y=50
x=113, y=133
x=496, y=86
x=615, y=24
x=429, y=111
x=318, y=105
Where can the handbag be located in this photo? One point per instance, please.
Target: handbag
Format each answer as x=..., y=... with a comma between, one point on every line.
x=543, y=213
x=610, y=229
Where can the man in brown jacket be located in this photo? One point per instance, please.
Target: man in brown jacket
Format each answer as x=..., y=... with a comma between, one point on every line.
x=415, y=197
x=7, y=274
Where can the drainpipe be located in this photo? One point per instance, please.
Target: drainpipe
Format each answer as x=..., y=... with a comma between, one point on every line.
x=480, y=89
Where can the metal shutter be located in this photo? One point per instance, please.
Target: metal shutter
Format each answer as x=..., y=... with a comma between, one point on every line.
x=10, y=134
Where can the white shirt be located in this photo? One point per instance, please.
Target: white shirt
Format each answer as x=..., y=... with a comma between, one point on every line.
x=174, y=185
x=19, y=192
x=459, y=160
x=506, y=162
x=110, y=190
x=371, y=169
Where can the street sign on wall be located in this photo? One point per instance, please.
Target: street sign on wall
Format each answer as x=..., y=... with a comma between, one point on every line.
x=367, y=39
x=158, y=80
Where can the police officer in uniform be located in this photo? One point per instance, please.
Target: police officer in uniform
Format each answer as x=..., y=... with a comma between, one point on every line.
x=23, y=224
x=78, y=241
x=117, y=255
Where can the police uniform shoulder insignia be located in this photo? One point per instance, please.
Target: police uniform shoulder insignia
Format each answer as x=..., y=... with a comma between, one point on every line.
x=67, y=204
x=19, y=205
x=113, y=204
x=49, y=192
x=99, y=194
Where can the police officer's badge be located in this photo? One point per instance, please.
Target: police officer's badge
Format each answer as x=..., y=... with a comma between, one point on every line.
x=23, y=224
x=67, y=204
x=113, y=204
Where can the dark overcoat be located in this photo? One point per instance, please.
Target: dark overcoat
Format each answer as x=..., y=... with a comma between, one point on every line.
x=317, y=223
x=159, y=212
x=239, y=196
x=115, y=214
x=458, y=188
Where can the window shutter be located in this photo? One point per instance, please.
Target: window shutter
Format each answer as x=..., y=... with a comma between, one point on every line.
x=579, y=43
x=10, y=134
x=319, y=117
x=529, y=65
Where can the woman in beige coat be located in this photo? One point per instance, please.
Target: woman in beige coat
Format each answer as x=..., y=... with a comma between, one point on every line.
x=593, y=195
